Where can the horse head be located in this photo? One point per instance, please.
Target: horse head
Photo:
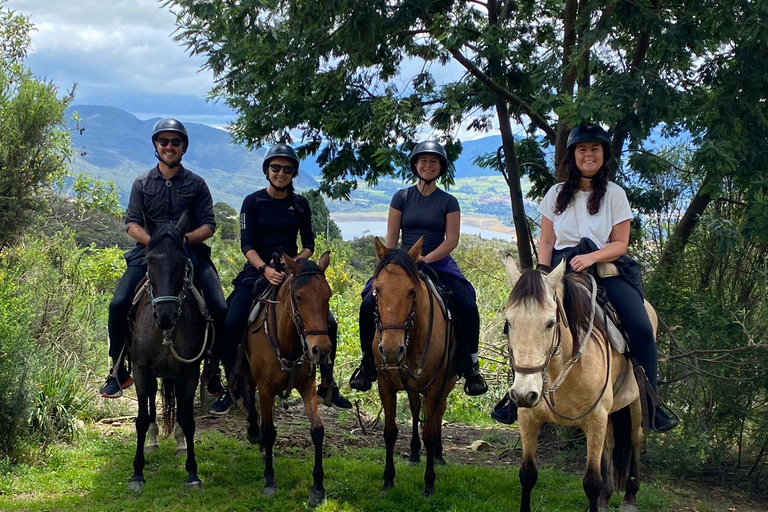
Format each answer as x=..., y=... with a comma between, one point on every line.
x=169, y=270
x=396, y=286
x=531, y=315
x=310, y=296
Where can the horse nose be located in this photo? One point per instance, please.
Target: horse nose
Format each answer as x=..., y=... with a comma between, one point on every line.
x=321, y=354
x=528, y=399
x=392, y=355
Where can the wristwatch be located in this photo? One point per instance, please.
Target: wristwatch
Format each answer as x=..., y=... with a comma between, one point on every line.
x=261, y=268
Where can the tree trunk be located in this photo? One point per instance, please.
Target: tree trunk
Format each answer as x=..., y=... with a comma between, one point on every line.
x=682, y=233
x=512, y=176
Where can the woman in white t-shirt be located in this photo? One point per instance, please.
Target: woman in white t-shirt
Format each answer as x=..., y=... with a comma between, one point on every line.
x=588, y=206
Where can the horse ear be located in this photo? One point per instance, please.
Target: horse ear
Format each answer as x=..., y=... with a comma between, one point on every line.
x=513, y=273
x=183, y=223
x=293, y=267
x=415, y=251
x=554, y=277
x=324, y=261
x=149, y=224
x=381, y=250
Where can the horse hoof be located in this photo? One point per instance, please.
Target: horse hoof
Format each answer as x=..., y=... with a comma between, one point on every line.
x=136, y=485
x=413, y=462
x=627, y=507
x=197, y=485
x=254, y=439
x=269, y=491
x=429, y=491
x=440, y=461
x=151, y=448
x=181, y=452
x=316, y=498
x=386, y=487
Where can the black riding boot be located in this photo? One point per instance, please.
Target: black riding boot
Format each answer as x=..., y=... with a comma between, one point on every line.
x=474, y=383
x=364, y=375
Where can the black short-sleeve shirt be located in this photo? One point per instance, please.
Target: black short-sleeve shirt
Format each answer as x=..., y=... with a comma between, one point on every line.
x=423, y=216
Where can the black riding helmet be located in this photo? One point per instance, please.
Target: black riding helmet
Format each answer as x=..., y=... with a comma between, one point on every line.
x=170, y=125
x=429, y=147
x=590, y=133
x=283, y=150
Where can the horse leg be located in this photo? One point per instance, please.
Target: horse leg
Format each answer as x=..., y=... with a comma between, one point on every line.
x=439, y=444
x=593, y=481
x=529, y=436
x=254, y=432
x=606, y=470
x=152, y=443
x=389, y=403
x=185, y=400
x=414, y=399
x=142, y=425
x=269, y=434
x=629, y=503
x=434, y=409
x=317, y=431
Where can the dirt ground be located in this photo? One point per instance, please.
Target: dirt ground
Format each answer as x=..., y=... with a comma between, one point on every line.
x=501, y=448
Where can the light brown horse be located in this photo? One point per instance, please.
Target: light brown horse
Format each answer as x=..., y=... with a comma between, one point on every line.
x=413, y=349
x=567, y=373
x=285, y=344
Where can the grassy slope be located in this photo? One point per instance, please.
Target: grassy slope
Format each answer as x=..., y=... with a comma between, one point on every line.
x=92, y=476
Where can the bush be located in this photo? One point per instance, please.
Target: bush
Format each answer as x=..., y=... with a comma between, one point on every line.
x=62, y=398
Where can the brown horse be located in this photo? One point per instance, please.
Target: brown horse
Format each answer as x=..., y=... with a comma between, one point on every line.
x=285, y=344
x=566, y=372
x=413, y=352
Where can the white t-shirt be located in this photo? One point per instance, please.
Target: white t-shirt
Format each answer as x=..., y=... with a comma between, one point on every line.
x=576, y=222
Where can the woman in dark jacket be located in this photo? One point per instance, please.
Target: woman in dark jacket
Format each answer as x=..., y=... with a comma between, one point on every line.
x=270, y=220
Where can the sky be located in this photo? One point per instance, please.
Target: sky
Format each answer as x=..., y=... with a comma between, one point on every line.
x=121, y=53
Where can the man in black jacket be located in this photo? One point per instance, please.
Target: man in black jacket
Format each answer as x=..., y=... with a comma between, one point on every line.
x=163, y=194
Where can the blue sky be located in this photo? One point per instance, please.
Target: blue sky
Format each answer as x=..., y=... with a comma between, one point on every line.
x=120, y=53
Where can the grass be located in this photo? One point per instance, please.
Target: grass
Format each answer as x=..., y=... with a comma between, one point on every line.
x=92, y=475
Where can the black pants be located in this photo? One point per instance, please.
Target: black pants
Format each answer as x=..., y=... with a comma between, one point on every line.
x=205, y=276
x=236, y=324
x=629, y=305
x=464, y=309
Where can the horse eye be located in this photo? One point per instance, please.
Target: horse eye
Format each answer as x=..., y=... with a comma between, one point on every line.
x=550, y=324
x=412, y=293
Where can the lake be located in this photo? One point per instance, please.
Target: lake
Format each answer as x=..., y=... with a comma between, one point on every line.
x=356, y=229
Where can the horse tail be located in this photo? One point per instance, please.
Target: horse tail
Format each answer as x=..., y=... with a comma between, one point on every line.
x=623, y=450
x=168, y=389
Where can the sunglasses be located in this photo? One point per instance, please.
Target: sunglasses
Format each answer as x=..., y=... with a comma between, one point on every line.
x=287, y=169
x=176, y=142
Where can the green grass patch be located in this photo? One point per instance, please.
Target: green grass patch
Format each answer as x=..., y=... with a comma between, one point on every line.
x=93, y=474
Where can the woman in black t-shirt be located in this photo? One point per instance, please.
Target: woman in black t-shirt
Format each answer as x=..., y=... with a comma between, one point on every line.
x=425, y=210
x=270, y=220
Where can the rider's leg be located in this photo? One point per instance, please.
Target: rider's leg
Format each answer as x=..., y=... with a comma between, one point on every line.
x=630, y=307
x=208, y=279
x=328, y=392
x=119, y=307
x=467, y=332
x=365, y=374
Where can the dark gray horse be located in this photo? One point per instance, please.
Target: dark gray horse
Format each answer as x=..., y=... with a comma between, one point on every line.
x=167, y=341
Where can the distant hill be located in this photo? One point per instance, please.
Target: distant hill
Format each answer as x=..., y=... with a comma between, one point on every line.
x=115, y=145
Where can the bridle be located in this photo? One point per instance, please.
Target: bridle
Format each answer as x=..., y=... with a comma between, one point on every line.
x=403, y=368
x=169, y=334
x=286, y=364
x=555, y=348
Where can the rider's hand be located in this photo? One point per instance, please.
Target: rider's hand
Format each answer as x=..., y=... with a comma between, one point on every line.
x=273, y=276
x=582, y=262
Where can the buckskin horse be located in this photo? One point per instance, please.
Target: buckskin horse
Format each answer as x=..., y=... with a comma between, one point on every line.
x=288, y=339
x=412, y=348
x=168, y=339
x=567, y=372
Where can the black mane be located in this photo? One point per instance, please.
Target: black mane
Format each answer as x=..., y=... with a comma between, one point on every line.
x=168, y=229
x=307, y=270
x=401, y=258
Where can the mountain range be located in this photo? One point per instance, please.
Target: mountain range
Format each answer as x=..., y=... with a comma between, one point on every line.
x=113, y=144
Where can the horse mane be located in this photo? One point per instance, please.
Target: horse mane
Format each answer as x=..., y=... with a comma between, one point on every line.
x=401, y=258
x=307, y=270
x=577, y=304
x=529, y=289
x=165, y=229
